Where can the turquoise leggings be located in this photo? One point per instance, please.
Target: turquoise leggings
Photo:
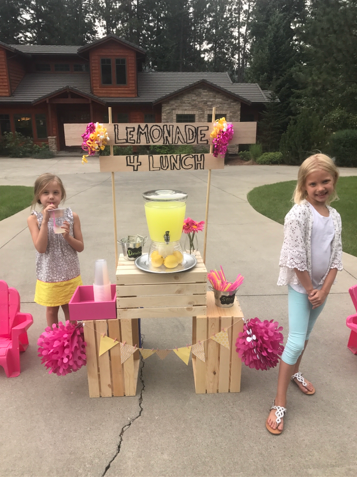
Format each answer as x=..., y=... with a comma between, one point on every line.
x=301, y=321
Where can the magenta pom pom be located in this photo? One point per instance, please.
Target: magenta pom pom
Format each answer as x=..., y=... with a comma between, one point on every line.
x=220, y=143
x=62, y=348
x=259, y=345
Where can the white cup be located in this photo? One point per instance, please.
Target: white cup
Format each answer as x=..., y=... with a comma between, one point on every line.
x=101, y=276
x=102, y=292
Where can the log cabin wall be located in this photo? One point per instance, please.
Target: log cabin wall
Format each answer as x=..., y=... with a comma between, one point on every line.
x=4, y=74
x=16, y=72
x=113, y=50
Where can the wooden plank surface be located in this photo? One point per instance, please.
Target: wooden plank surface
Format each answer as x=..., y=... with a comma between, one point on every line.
x=225, y=358
x=105, y=375
x=163, y=301
x=137, y=277
x=115, y=361
x=236, y=363
x=130, y=381
x=170, y=289
x=92, y=359
x=200, y=366
x=212, y=356
x=170, y=312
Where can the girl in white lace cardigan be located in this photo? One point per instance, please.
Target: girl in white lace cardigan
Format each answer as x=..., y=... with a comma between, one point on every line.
x=309, y=261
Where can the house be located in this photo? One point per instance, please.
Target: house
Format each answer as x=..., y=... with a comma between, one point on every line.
x=43, y=87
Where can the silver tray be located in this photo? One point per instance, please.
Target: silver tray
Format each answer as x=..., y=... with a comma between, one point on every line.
x=189, y=262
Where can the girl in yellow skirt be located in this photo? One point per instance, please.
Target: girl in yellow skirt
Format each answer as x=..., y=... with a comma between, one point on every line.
x=57, y=264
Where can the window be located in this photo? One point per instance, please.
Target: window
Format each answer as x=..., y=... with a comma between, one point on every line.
x=43, y=67
x=23, y=124
x=185, y=118
x=81, y=67
x=120, y=70
x=149, y=118
x=62, y=67
x=123, y=118
x=41, y=126
x=106, y=67
x=5, y=125
x=218, y=116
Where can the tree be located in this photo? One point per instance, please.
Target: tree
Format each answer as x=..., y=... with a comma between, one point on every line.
x=11, y=21
x=328, y=74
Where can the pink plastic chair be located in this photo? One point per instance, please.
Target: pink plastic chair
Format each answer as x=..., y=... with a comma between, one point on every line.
x=351, y=322
x=13, y=327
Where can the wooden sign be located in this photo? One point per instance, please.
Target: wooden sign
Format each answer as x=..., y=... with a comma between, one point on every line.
x=177, y=134
x=147, y=134
x=155, y=163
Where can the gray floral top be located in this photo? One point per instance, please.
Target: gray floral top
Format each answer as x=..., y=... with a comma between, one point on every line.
x=60, y=261
x=296, y=249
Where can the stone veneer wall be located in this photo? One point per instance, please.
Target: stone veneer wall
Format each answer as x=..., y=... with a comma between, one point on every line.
x=52, y=144
x=200, y=102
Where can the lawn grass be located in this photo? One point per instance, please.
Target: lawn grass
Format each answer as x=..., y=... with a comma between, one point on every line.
x=274, y=201
x=13, y=199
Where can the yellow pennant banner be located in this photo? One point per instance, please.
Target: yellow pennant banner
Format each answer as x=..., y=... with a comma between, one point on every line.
x=126, y=350
x=106, y=344
x=221, y=338
x=146, y=353
x=183, y=353
x=162, y=353
x=199, y=350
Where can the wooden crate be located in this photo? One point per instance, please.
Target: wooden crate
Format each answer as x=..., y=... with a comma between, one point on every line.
x=221, y=373
x=107, y=377
x=152, y=295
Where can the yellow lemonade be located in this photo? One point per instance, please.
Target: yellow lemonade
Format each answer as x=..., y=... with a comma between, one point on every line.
x=165, y=216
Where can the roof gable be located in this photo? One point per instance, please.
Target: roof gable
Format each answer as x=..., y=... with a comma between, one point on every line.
x=111, y=37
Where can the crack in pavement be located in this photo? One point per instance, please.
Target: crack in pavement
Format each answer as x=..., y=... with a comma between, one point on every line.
x=127, y=426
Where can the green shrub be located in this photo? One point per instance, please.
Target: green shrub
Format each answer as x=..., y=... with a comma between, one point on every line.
x=343, y=146
x=255, y=151
x=244, y=155
x=16, y=145
x=169, y=149
x=42, y=151
x=270, y=158
x=304, y=136
x=338, y=120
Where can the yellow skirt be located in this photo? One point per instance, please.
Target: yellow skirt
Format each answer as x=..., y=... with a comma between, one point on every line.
x=57, y=293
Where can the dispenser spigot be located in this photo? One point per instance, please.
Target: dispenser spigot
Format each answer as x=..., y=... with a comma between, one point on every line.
x=167, y=236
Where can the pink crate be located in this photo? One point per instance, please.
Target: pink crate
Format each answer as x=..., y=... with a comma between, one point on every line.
x=83, y=307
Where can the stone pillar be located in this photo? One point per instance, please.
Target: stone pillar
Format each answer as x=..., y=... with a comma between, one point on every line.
x=52, y=144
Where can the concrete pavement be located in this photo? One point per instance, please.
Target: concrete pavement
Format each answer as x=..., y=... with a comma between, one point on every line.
x=50, y=427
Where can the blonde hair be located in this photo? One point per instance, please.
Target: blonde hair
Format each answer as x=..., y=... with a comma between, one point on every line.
x=313, y=164
x=40, y=185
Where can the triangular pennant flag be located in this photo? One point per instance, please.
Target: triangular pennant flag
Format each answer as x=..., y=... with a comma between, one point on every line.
x=145, y=353
x=126, y=350
x=162, y=353
x=106, y=344
x=199, y=351
x=183, y=353
x=221, y=338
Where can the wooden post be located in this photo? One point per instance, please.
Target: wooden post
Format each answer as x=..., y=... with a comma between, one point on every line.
x=114, y=203
x=208, y=193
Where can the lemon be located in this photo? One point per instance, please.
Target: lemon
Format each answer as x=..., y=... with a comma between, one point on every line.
x=171, y=261
x=156, y=259
x=179, y=256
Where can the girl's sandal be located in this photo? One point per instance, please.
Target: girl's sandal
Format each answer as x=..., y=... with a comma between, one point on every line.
x=299, y=377
x=279, y=414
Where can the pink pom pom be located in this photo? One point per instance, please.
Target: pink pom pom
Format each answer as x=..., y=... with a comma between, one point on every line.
x=62, y=349
x=259, y=345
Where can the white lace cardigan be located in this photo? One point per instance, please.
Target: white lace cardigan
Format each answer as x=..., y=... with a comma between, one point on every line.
x=296, y=249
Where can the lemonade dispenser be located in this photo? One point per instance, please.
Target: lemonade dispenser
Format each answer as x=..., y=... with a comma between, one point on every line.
x=165, y=213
